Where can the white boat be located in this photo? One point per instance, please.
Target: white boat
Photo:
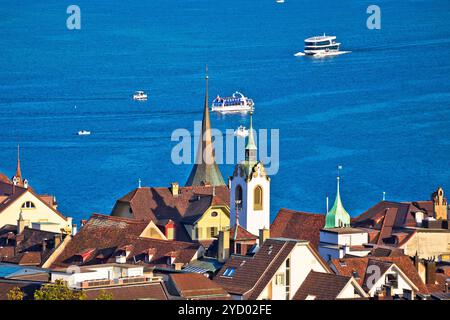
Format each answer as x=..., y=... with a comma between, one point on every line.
x=83, y=133
x=236, y=103
x=140, y=96
x=321, y=46
x=280, y=1
x=241, y=132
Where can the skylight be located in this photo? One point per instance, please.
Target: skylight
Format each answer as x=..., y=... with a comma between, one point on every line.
x=229, y=272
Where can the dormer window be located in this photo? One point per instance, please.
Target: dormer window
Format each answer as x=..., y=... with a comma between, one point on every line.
x=28, y=205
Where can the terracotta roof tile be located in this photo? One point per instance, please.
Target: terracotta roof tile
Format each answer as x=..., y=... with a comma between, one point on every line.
x=324, y=286
x=298, y=225
x=151, y=291
x=347, y=266
x=197, y=286
x=253, y=273
x=107, y=234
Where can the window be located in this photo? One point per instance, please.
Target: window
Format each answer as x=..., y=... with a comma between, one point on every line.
x=238, y=248
x=310, y=297
x=28, y=205
x=258, y=198
x=238, y=193
x=212, y=232
x=214, y=214
x=229, y=272
x=197, y=233
x=279, y=279
x=288, y=278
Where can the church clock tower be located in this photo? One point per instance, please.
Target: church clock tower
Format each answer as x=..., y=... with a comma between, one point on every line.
x=250, y=191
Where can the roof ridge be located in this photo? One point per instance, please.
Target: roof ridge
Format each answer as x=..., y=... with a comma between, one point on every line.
x=123, y=219
x=265, y=270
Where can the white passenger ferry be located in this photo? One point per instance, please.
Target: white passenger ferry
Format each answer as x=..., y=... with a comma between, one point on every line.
x=236, y=103
x=140, y=96
x=321, y=46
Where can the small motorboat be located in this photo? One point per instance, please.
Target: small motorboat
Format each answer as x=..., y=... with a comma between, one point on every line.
x=280, y=1
x=241, y=132
x=140, y=96
x=83, y=133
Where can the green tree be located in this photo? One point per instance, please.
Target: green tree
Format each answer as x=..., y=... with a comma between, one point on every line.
x=58, y=291
x=104, y=295
x=15, y=294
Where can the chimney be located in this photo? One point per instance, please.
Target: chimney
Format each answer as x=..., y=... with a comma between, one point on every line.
x=430, y=267
x=25, y=184
x=170, y=230
x=83, y=222
x=224, y=246
x=174, y=188
x=74, y=229
x=58, y=240
x=264, y=234
x=21, y=224
x=44, y=244
x=388, y=291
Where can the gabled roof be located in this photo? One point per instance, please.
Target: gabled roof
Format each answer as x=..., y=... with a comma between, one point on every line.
x=108, y=234
x=298, y=225
x=160, y=205
x=401, y=214
x=29, y=250
x=252, y=274
x=241, y=234
x=351, y=266
x=197, y=287
x=10, y=193
x=324, y=286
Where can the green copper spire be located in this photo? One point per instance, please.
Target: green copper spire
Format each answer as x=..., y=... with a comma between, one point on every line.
x=337, y=217
x=250, y=148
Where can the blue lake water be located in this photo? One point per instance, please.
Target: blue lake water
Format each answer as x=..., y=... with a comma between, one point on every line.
x=382, y=111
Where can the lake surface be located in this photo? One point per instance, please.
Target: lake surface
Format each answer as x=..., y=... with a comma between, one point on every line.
x=382, y=111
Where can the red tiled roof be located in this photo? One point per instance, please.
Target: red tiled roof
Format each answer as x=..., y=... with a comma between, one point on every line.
x=152, y=291
x=108, y=234
x=252, y=274
x=197, y=286
x=402, y=214
x=347, y=266
x=159, y=204
x=298, y=225
x=242, y=234
x=9, y=194
x=324, y=286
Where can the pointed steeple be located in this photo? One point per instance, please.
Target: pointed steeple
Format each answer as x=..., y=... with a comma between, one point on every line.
x=337, y=216
x=205, y=169
x=18, y=174
x=250, y=148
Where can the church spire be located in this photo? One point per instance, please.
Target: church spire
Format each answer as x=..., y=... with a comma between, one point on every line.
x=250, y=148
x=337, y=217
x=18, y=175
x=205, y=169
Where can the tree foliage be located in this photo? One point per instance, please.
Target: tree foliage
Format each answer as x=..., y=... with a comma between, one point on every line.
x=58, y=291
x=104, y=296
x=15, y=294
